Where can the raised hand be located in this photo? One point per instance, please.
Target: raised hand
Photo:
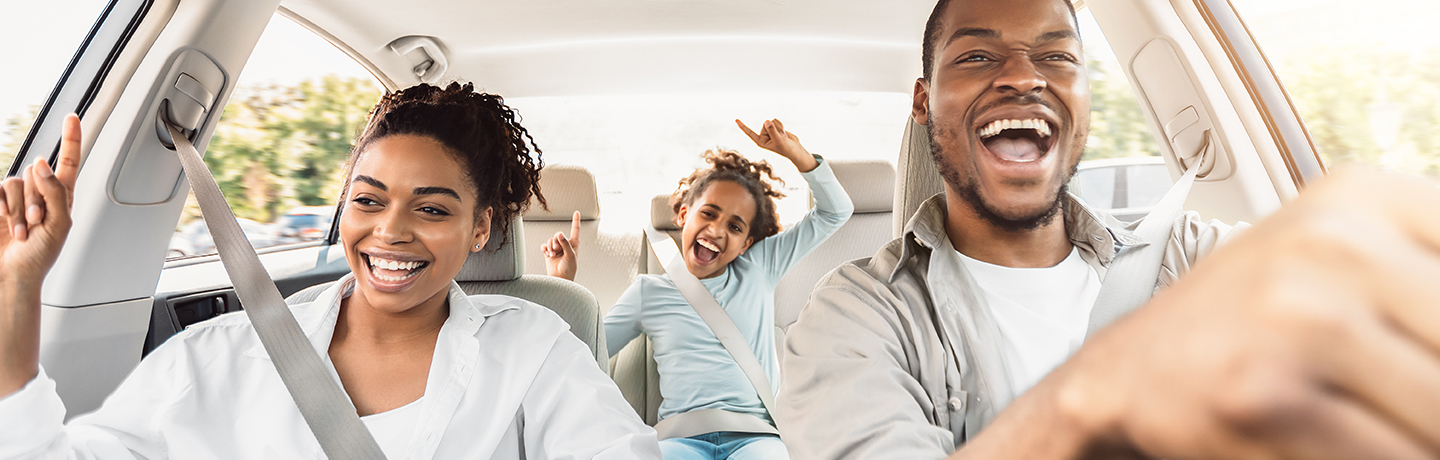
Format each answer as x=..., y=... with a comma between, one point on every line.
x=34, y=221
x=773, y=137
x=561, y=259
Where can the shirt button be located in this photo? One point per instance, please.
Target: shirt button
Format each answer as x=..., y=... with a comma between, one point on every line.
x=956, y=405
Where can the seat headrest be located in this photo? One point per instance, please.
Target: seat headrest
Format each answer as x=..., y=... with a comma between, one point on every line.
x=870, y=183
x=567, y=188
x=662, y=216
x=502, y=259
x=916, y=178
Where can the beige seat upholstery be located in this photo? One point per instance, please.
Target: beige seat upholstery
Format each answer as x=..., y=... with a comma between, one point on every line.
x=916, y=178
x=499, y=269
x=609, y=260
x=871, y=186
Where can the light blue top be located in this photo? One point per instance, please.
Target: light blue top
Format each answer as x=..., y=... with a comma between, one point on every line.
x=695, y=370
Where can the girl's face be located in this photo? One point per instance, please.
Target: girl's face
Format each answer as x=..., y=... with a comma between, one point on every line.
x=715, y=227
x=409, y=223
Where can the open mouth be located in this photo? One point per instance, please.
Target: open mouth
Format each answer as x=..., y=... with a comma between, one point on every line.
x=704, y=251
x=393, y=271
x=1019, y=141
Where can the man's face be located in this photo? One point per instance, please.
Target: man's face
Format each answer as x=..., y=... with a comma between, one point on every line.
x=1008, y=105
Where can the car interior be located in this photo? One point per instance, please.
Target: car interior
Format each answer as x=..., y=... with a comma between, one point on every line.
x=1199, y=78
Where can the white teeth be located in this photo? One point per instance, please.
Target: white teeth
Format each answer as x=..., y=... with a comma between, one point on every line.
x=393, y=264
x=708, y=245
x=998, y=126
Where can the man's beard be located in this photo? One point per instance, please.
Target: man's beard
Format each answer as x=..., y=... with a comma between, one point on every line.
x=968, y=190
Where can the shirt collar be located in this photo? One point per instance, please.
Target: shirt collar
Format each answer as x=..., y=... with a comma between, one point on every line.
x=317, y=318
x=1090, y=230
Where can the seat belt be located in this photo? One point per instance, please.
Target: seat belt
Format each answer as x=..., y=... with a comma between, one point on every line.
x=1130, y=279
x=324, y=405
x=698, y=422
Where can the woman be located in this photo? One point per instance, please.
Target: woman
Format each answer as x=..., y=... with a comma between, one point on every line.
x=432, y=372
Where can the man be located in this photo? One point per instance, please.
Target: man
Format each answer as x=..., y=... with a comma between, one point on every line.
x=1313, y=335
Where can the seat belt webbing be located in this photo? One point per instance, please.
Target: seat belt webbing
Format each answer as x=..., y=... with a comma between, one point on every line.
x=707, y=421
x=323, y=404
x=1130, y=279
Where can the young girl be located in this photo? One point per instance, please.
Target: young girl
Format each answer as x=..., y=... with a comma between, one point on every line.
x=433, y=372
x=729, y=241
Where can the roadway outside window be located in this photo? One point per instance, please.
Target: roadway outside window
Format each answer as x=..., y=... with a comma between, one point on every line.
x=1365, y=76
x=640, y=145
x=61, y=25
x=282, y=141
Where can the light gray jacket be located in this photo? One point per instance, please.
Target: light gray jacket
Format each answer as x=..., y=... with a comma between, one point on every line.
x=897, y=356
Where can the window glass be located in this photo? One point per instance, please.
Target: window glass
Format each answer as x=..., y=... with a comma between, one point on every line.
x=1120, y=169
x=1118, y=128
x=43, y=37
x=282, y=141
x=1365, y=76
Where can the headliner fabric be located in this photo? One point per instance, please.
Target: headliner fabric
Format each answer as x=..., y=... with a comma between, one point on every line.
x=500, y=260
x=916, y=178
x=870, y=184
x=567, y=188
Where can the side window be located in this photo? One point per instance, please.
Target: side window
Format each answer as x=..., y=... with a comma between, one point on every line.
x=282, y=141
x=1365, y=76
x=1121, y=169
x=50, y=32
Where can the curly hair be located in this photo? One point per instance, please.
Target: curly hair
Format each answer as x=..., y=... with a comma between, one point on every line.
x=481, y=132
x=757, y=178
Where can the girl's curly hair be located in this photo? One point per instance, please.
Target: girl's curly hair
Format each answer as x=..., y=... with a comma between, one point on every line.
x=757, y=178
x=481, y=132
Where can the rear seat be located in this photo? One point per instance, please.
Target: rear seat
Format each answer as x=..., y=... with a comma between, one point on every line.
x=609, y=261
x=870, y=185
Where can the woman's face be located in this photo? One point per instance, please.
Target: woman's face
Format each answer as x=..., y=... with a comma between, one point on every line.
x=409, y=222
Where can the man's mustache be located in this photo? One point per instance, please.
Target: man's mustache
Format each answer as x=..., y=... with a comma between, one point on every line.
x=1027, y=99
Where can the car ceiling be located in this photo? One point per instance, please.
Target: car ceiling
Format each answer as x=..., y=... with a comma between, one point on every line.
x=567, y=47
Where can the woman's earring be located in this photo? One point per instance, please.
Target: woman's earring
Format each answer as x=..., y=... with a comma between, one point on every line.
x=477, y=247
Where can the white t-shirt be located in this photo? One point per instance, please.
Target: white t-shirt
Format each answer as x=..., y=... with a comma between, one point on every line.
x=1042, y=313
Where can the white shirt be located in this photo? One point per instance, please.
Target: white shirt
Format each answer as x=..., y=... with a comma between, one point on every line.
x=1042, y=313
x=507, y=380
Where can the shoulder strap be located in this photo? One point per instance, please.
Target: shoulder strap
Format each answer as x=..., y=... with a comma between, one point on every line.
x=322, y=402
x=720, y=323
x=1130, y=279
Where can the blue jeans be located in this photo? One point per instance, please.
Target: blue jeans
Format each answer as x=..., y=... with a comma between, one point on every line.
x=722, y=445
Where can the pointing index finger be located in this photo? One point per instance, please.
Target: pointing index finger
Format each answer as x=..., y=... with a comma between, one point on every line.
x=575, y=231
x=68, y=164
x=748, y=132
